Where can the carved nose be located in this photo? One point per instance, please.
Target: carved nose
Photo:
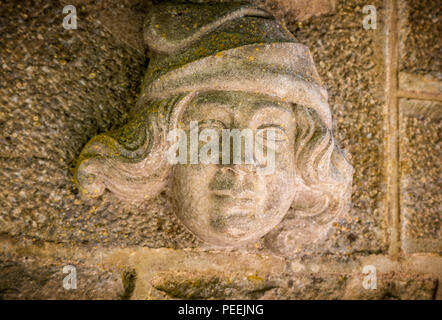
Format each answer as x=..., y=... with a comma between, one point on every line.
x=239, y=169
x=237, y=178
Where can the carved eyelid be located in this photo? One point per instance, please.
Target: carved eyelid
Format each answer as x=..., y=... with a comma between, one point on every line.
x=278, y=129
x=208, y=122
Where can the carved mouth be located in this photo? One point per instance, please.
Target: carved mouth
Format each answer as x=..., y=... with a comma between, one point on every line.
x=244, y=199
x=229, y=194
x=235, y=204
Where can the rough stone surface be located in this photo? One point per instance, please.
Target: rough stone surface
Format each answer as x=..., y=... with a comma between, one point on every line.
x=421, y=127
x=396, y=286
x=189, y=56
x=420, y=47
x=47, y=133
x=349, y=61
x=194, y=274
x=34, y=280
x=35, y=272
x=59, y=88
x=301, y=10
x=129, y=14
x=418, y=82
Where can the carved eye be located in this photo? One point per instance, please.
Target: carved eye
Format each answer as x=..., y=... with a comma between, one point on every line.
x=211, y=124
x=272, y=131
x=215, y=126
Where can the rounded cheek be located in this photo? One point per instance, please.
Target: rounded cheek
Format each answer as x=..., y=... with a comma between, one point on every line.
x=280, y=187
x=190, y=189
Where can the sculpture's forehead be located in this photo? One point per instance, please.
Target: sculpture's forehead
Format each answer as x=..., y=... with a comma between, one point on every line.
x=237, y=101
x=239, y=107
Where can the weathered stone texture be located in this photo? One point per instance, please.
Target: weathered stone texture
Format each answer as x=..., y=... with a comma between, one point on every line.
x=44, y=136
x=420, y=154
x=420, y=125
x=419, y=83
x=129, y=14
x=300, y=10
x=37, y=273
x=396, y=286
x=350, y=62
x=34, y=280
x=141, y=273
x=420, y=45
x=58, y=88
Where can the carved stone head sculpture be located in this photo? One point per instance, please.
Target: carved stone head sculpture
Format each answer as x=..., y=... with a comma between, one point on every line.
x=226, y=66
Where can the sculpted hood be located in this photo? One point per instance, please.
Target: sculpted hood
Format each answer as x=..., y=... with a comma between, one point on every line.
x=228, y=47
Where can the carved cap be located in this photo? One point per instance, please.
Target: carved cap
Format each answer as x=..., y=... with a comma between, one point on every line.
x=229, y=47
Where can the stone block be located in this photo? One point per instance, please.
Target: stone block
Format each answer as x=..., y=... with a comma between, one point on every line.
x=419, y=38
x=420, y=172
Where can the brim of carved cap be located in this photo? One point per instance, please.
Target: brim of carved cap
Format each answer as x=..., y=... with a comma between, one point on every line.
x=282, y=70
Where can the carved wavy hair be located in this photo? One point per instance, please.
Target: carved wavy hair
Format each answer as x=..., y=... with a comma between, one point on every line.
x=131, y=161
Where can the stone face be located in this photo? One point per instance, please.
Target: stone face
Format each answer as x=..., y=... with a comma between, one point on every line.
x=42, y=168
x=420, y=175
x=59, y=88
x=226, y=67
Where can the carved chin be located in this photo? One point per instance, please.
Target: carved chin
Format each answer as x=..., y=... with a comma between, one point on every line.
x=230, y=235
x=233, y=226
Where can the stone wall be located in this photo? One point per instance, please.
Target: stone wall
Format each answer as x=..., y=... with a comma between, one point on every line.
x=59, y=88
